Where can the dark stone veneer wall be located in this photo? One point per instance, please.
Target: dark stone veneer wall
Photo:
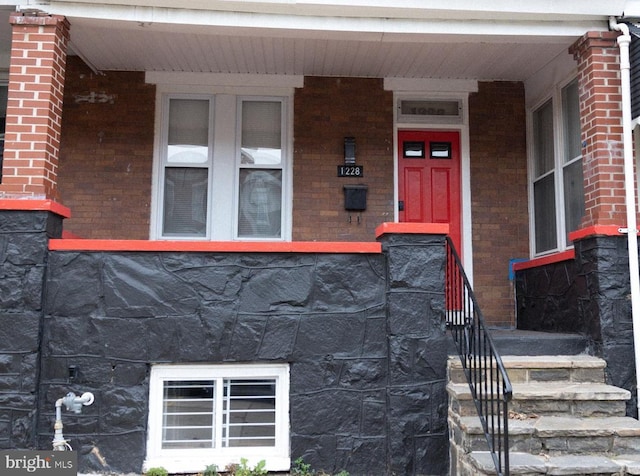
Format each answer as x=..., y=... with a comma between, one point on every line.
x=23, y=259
x=363, y=334
x=588, y=295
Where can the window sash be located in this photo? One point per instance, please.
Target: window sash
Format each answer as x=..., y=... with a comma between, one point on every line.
x=186, y=167
x=234, y=392
x=260, y=168
x=185, y=207
x=573, y=190
x=188, y=414
x=556, y=172
x=545, y=214
x=246, y=414
x=571, y=122
x=544, y=149
x=260, y=203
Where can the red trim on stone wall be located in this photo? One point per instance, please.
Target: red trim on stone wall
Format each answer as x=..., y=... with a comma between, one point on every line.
x=544, y=260
x=35, y=205
x=415, y=228
x=215, y=246
x=603, y=230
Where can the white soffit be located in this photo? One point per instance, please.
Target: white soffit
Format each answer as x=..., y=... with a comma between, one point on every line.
x=466, y=9
x=377, y=22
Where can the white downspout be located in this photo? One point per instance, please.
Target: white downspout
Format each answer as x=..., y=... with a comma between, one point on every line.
x=624, y=41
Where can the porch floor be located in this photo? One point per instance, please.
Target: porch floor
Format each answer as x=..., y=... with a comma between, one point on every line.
x=521, y=342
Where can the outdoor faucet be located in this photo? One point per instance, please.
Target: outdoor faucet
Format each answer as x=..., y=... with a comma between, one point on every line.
x=74, y=404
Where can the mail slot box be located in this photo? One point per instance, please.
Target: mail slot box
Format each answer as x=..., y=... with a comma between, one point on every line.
x=355, y=197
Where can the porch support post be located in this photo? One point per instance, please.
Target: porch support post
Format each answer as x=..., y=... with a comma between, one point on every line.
x=418, y=347
x=597, y=56
x=34, y=108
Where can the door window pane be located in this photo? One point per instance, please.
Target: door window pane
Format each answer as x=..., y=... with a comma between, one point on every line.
x=545, y=214
x=260, y=203
x=185, y=201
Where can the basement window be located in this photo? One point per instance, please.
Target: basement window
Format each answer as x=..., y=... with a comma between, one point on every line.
x=216, y=414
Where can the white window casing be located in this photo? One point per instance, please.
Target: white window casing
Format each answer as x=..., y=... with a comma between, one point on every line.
x=204, y=414
x=223, y=168
x=556, y=191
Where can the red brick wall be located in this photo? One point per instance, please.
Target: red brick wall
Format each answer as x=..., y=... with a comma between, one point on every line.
x=106, y=153
x=326, y=111
x=36, y=82
x=498, y=193
x=601, y=121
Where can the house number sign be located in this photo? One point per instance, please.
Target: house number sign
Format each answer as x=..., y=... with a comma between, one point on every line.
x=350, y=171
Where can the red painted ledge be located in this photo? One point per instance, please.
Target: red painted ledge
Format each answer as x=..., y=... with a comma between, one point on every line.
x=544, y=260
x=602, y=230
x=216, y=246
x=596, y=230
x=35, y=205
x=417, y=228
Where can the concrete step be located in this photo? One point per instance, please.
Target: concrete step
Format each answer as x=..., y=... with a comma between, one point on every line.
x=587, y=399
x=553, y=436
x=481, y=463
x=533, y=368
x=563, y=420
x=522, y=342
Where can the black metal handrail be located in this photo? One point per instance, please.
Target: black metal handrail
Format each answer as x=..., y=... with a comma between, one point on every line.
x=488, y=380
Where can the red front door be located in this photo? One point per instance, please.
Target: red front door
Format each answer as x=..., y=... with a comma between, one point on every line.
x=429, y=179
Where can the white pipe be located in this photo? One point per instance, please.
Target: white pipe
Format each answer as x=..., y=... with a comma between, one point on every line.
x=624, y=41
x=59, y=443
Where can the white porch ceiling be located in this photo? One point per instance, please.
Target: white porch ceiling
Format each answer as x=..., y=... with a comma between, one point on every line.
x=109, y=47
x=389, y=40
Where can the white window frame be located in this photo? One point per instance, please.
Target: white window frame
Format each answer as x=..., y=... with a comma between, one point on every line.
x=164, y=164
x=558, y=170
x=283, y=166
x=224, y=172
x=277, y=457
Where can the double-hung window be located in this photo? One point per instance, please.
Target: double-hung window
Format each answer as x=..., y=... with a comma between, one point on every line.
x=222, y=168
x=216, y=414
x=260, y=169
x=187, y=158
x=556, y=178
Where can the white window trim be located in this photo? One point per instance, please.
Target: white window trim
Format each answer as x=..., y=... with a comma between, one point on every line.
x=196, y=460
x=558, y=170
x=160, y=163
x=284, y=167
x=223, y=226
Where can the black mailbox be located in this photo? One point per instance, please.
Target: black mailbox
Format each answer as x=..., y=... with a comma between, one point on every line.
x=355, y=197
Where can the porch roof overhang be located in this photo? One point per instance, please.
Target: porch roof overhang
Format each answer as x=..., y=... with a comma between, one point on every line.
x=502, y=40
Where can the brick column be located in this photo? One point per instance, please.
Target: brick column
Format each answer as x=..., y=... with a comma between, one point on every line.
x=34, y=109
x=601, y=122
